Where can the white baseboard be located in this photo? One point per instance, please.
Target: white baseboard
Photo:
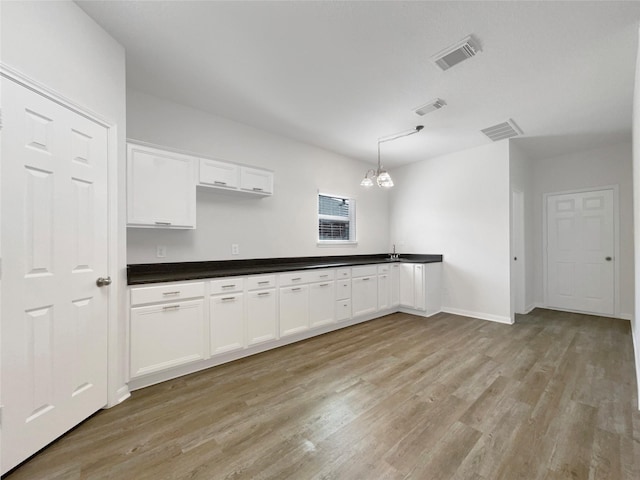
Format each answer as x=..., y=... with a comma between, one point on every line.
x=529, y=308
x=480, y=315
x=622, y=316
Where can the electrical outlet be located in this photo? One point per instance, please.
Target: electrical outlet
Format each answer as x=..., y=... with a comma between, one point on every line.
x=161, y=251
x=235, y=249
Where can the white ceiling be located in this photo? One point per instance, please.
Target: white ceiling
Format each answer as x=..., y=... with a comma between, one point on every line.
x=340, y=75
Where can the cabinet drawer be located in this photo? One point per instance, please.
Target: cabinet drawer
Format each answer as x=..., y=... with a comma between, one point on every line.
x=294, y=278
x=227, y=285
x=384, y=268
x=343, y=273
x=166, y=293
x=265, y=281
x=343, y=289
x=218, y=174
x=364, y=271
x=322, y=275
x=343, y=310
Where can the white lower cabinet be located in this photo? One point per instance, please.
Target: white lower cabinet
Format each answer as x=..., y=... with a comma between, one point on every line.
x=167, y=335
x=407, y=289
x=226, y=313
x=322, y=298
x=262, y=320
x=394, y=280
x=294, y=310
x=169, y=326
x=384, y=291
x=364, y=295
x=420, y=287
x=343, y=294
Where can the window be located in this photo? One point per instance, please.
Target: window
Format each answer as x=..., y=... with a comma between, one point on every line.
x=336, y=219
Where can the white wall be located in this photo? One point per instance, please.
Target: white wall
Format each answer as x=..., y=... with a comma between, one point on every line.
x=635, y=322
x=458, y=205
x=284, y=225
x=609, y=165
x=57, y=45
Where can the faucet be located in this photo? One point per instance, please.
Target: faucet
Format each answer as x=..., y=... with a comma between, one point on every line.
x=394, y=255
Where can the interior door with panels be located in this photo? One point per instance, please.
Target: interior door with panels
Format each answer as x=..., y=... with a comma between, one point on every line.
x=54, y=315
x=580, y=251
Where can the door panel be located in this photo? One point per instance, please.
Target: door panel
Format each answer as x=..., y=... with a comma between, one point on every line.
x=54, y=317
x=580, y=239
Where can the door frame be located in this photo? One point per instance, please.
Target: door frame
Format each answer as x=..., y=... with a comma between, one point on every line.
x=616, y=242
x=117, y=390
x=518, y=248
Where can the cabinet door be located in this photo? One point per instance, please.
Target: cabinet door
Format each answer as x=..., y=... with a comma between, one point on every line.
x=418, y=287
x=384, y=292
x=407, y=296
x=161, y=189
x=262, y=321
x=218, y=174
x=394, y=280
x=166, y=335
x=322, y=300
x=256, y=180
x=227, y=322
x=364, y=295
x=294, y=310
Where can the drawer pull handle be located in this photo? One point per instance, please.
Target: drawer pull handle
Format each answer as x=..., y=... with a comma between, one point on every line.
x=264, y=283
x=366, y=278
x=171, y=307
x=324, y=284
x=228, y=286
x=324, y=276
x=263, y=294
x=177, y=292
x=296, y=289
x=163, y=223
x=218, y=182
x=226, y=299
x=257, y=189
x=296, y=279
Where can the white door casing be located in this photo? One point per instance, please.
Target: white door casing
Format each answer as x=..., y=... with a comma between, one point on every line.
x=518, y=265
x=55, y=245
x=581, y=251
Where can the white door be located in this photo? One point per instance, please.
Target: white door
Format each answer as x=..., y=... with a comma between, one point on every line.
x=54, y=240
x=580, y=248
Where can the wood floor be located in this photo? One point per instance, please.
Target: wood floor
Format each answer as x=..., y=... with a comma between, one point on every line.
x=401, y=397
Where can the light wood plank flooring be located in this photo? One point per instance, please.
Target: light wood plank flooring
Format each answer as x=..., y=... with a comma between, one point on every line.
x=401, y=397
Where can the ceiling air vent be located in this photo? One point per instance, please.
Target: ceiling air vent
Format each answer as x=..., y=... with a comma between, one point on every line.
x=502, y=130
x=459, y=52
x=432, y=106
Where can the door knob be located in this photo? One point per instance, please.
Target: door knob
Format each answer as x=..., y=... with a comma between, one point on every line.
x=103, y=282
x=608, y=259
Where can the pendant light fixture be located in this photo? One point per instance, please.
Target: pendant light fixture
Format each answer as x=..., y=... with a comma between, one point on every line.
x=381, y=176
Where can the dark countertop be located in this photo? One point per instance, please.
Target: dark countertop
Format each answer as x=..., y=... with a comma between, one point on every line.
x=141, y=273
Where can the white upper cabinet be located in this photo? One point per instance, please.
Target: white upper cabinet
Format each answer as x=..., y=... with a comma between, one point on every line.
x=214, y=173
x=233, y=177
x=161, y=188
x=256, y=180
